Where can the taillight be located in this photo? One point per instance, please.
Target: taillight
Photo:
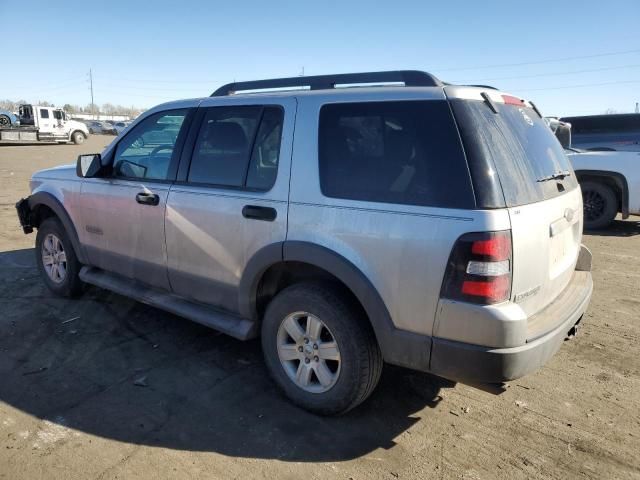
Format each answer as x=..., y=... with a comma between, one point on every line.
x=511, y=100
x=479, y=268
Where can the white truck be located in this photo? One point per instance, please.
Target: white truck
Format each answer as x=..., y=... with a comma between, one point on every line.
x=610, y=183
x=40, y=124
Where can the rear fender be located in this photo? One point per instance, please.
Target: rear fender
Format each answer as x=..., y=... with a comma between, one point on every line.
x=617, y=178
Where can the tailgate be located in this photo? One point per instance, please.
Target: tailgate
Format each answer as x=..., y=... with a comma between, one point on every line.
x=546, y=243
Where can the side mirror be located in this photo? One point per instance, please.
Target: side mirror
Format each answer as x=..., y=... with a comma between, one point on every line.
x=89, y=166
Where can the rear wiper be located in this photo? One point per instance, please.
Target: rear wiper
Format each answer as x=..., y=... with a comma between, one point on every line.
x=555, y=176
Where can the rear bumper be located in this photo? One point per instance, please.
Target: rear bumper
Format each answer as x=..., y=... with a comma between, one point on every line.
x=477, y=364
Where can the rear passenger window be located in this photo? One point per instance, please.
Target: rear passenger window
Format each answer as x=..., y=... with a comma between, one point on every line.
x=394, y=152
x=238, y=147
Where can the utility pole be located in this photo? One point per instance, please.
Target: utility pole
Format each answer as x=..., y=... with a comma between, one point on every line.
x=93, y=108
x=637, y=107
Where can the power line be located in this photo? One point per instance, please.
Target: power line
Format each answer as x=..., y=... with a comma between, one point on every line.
x=539, y=62
x=547, y=74
x=578, y=86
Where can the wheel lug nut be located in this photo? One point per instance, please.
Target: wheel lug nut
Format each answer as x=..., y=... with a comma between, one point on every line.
x=299, y=349
x=306, y=340
x=306, y=360
x=316, y=358
x=315, y=346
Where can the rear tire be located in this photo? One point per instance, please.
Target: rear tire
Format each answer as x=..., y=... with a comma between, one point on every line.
x=56, y=259
x=600, y=205
x=340, y=365
x=78, y=138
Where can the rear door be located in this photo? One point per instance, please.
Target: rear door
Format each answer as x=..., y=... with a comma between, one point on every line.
x=46, y=121
x=538, y=186
x=231, y=197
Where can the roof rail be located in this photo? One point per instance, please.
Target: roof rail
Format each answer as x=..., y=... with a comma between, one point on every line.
x=410, y=78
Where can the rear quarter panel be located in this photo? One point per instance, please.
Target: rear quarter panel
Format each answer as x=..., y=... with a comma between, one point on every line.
x=402, y=249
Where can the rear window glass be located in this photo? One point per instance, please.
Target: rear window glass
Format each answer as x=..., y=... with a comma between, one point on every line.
x=604, y=124
x=519, y=145
x=405, y=152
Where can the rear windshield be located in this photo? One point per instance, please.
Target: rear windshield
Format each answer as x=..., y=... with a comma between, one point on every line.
x=519, y=146
x=604, y=124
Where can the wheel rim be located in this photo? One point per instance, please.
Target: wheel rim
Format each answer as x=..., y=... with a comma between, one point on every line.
x=593, y=204
x=4, y=121
x=54, y=258
x=308, y=352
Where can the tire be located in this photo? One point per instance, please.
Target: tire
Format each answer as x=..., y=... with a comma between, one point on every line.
x=67, y=281
x=600, y=205
x=78, y=137
x=353, y=377
x=5, y=121
x=91, y=131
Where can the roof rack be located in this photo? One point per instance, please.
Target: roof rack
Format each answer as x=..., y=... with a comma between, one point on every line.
x=410, y=78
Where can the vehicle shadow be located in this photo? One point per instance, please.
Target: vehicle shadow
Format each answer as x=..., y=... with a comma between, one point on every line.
x=107, y=366
x=618, y=228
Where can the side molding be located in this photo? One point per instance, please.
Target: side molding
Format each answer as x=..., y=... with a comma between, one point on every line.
x=44, y=198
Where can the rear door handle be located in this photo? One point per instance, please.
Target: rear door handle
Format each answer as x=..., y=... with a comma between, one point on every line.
x=255, y=212
x=146, y=198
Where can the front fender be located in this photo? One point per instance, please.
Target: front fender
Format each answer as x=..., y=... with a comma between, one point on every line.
x=49, y=200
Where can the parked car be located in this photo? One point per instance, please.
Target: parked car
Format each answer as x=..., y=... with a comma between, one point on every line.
x=619, y=132
x=120, y=126
x=100, y=127
x=393, y=227
x=8, y=119
x=610, y=183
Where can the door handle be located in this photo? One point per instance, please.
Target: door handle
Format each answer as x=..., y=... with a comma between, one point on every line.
x=145, y=198
x=255, y=212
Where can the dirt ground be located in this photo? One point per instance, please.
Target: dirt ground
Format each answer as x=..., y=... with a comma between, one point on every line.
x=102, y=387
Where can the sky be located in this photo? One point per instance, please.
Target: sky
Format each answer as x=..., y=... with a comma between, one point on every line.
x=570, y=57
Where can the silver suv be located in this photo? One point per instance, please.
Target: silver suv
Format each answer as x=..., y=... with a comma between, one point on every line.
x=431, y=226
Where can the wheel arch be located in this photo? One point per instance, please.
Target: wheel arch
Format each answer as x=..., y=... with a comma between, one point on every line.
x=398, y=346
x=44, y=204
x=615, y=179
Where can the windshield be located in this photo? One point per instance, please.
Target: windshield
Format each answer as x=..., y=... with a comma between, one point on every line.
x=519, y=146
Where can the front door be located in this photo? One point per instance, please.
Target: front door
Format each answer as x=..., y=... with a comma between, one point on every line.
x=123, y=215
x=232, y=202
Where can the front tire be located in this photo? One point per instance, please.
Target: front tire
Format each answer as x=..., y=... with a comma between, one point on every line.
x=600, y=205
x=56, y=259
x=320, y=349
x=78, y=138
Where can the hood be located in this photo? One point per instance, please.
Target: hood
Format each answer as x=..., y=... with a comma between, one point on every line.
x=77, y=125
x=61, y=172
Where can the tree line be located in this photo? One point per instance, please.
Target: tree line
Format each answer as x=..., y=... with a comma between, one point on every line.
x=105, y=108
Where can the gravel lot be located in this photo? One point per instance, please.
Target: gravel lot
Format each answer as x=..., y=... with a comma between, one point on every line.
x=102, y=387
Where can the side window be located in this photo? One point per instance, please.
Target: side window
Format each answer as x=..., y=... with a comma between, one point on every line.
x=147, y=150
x=238, y=147
x=44, y=113
x=263, y=168
x=405, y=152
x=57, y=114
